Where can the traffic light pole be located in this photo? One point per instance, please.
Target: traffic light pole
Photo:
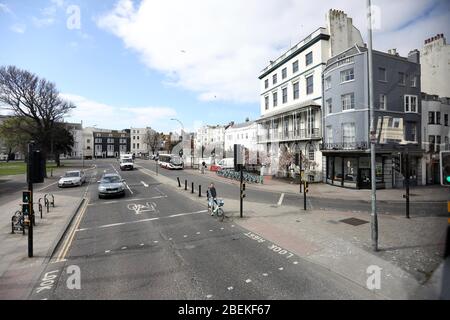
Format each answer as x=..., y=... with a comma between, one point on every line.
x=30, y=188
x=407, y=174
x=304, y=195
x=242, y=193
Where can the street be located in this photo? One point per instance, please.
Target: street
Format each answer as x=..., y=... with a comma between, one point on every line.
x=156, y=243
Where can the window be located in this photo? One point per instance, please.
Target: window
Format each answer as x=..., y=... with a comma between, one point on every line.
x=348, y=134
x=134, y=137
x=138, y=137
x=446, y=142
x=110, y=140
x=382, y=102
x=348, y=101
x=410, y=103
x=274, y=79
x=284, y=73
x=438, y=117
x=134, y=146
x=329, y=106
x=430, y=117
x=446, y=120
x=438, y=143
x=123, y=141
x=311, y=152
x=413, y=81
x=98, y=140
x=266, y=102
x=309, y=85
x=412, y=131
x=295, y=66
x=401, y=78
x=328, y=83
x=308, y=58
x=382, y=74
x=431, y=142
x=266, y=83
x=347, y=75
x=88, y=140
x=329, y=134
x=296, y=90
x=275, y=99
x=284, y=94
x=138, y=145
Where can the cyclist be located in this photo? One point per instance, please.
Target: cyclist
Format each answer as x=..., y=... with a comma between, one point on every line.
x=211, y=194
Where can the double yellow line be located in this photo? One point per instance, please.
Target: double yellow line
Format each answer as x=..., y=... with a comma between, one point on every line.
x=68, y=241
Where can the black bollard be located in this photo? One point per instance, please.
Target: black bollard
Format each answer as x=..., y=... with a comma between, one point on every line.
x=185, y=184
x=192, y=188
x=199, y=190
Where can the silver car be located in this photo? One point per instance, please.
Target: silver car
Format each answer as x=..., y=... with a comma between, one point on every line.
x=72, y=178
x=111, y=184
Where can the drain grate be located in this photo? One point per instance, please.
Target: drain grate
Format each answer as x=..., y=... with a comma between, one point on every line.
x=354, y=221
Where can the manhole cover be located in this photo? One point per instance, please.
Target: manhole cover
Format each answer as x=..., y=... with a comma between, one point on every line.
x=354, y=221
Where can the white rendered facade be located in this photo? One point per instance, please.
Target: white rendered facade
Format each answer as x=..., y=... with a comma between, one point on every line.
x=291, y=94
x=435, y=66
x=241, y=133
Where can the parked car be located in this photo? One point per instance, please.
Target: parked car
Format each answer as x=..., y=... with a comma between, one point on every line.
x=72, y=178
x=111, y=184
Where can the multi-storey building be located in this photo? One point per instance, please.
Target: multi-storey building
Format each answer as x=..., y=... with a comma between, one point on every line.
x=76, y=129
x=291, y=94
x=139, y=143
x=111, y=143
x=241, y=133
x=209, y=140
x=397, y=103
x=435, y=133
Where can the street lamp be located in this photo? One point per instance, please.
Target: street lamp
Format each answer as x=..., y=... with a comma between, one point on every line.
x=182, y=130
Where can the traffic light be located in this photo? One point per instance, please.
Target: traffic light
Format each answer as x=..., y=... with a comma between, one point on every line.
x=36, y=167
x=25, y=209
x=26, y=196
x=396, y=163
x=306, y=186
x=445, y=168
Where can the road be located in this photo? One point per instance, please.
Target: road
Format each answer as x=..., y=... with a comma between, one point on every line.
x=155, y=243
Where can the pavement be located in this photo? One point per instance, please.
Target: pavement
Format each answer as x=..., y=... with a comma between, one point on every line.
x=18, y=272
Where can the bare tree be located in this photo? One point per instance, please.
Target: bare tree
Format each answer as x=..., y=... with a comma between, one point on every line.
x=36, y=99
x=153, y=140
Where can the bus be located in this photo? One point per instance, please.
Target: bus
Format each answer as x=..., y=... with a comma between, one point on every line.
x=171, y=161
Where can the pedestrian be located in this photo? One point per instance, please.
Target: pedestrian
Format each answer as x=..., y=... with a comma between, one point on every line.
x=203, y=167
x=211, y=194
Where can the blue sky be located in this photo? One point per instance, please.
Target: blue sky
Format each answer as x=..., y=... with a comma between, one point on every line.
x=140, y=63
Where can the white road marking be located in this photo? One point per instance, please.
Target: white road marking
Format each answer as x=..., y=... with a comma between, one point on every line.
x=139, y=208
x=281, y=268
x=185, y=236
x=145, y=185
x=139, y=221
x=248, y=281
x=107, y=251
x=156, y=241
x=170, y=239
x=281, y=199
x=232, y=225
x=230, y=288
x=221, y=228
x=209, y=296
x=197, y=233
x=126, y=200
x=123, y=248
x=51, y=184
x=295, y=262
x=141, y=244
x=265, y=274
x=210, y=230
x=128, y=187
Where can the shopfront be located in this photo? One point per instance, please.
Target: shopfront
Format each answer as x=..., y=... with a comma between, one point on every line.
x=353, y=170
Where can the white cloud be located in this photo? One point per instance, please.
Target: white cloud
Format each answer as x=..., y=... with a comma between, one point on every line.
x=4, y=8
x=43, y=22
x=217, y=48
x=116, y=117
x=18, y=28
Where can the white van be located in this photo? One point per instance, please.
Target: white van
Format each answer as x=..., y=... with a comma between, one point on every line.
x=226, y=163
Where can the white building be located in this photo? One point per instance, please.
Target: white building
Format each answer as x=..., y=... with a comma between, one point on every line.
x=138, y=142
x=291, y=94
x=435, y=66
x=210, y=140
x=76, y=129
x=435, y=135
x=241, y=133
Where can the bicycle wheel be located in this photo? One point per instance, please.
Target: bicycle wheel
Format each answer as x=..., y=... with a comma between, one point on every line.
x=220, y=214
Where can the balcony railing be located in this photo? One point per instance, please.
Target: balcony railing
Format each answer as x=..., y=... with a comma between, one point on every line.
x=289, y=135
x=361, y=145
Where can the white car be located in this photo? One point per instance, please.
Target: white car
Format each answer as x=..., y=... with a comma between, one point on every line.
x=72, y=178
x=126, y=164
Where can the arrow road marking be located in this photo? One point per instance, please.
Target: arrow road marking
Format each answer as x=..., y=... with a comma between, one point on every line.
x=145, y=185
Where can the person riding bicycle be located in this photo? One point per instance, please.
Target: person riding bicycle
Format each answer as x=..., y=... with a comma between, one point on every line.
x=211, y=194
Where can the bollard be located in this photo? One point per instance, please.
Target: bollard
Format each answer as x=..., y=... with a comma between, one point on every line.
x=192, y=188
x=53, y=200
x=199, y=190
x=185, y=184
x=51, y=172
x=179, y=183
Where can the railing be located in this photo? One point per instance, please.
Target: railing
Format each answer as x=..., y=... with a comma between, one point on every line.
x=289, y=135
x=362, y=145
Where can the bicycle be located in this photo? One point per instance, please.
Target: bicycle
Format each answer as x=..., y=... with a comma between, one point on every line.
x=216, y=209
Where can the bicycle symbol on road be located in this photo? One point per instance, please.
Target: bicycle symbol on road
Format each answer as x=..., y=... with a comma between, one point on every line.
x=140, y=208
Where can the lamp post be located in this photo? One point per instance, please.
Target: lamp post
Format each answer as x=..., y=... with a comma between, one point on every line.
x=182, y=130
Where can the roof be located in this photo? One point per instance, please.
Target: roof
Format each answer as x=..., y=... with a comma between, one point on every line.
x=241, y=125
x=307, y=103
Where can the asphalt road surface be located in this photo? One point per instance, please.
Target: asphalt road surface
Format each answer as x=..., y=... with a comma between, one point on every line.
x=155, y=243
